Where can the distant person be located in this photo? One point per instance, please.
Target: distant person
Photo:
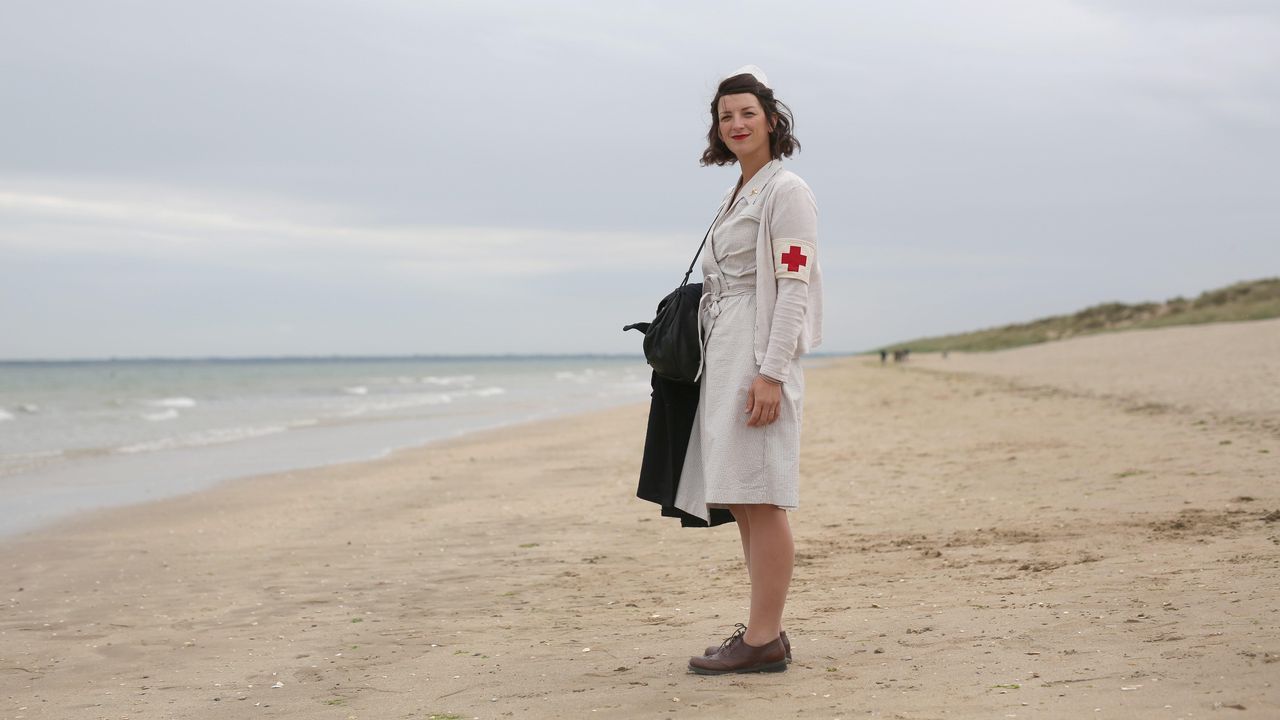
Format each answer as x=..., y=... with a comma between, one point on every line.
x=744, y=451
x=883, y=355
x=944, y=354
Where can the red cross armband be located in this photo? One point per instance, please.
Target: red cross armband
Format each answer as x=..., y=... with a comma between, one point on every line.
x=792, y=258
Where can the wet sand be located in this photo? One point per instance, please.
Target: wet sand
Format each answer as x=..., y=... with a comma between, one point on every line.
x=1080, y=529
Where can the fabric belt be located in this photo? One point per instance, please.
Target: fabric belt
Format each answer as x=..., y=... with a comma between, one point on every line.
x=714, y=289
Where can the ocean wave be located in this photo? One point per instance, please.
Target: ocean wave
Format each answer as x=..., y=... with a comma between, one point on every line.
x=172, y=402
x=448, y=379
x=30, y=408
x=400, y=403
x=356, y=390
x=581, y=377
x=161, y=416
x=17, y=463
x=5, y=415
x=489, y=392
x=208, y=437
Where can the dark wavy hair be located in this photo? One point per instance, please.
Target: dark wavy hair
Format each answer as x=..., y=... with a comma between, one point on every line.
x=782, y=143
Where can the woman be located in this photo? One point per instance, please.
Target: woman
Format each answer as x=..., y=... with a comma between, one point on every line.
x=761, y=308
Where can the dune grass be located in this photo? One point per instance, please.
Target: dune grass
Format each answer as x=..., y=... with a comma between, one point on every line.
x=1251, y=300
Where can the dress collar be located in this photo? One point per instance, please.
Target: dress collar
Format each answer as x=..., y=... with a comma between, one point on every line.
x=757, y=182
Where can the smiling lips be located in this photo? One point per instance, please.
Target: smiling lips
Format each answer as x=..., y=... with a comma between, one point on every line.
x=740, y=137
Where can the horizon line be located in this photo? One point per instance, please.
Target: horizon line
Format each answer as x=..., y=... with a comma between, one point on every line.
x=345, y=358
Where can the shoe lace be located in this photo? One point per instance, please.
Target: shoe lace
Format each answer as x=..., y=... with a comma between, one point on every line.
x=740, y=632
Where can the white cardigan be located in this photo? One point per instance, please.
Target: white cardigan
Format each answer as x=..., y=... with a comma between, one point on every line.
x=787, y=244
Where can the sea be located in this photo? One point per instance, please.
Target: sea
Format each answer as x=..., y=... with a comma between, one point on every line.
x=81, y=435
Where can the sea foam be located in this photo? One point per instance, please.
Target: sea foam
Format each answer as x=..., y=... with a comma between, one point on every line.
x=16, y=463
x=585, y=376
x=400, y=403
x=216, y=436
x=449, y=379
x=173, y=402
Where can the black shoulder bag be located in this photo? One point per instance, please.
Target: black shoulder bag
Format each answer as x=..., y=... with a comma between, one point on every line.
x=671, y=343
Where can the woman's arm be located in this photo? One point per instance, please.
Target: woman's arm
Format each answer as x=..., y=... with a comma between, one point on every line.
x=794, y=233
x=793, y=230
x=765, y=396
x=784, y=332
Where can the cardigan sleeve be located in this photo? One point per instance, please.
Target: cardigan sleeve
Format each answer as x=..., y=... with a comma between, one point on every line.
x=784, y=334
x=793, y=231
x=794, y=237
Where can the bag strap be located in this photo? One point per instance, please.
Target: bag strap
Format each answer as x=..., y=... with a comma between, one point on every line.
x=704, y=243
x=644, y=326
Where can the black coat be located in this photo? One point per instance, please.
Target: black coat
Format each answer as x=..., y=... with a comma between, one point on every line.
x=671, y=414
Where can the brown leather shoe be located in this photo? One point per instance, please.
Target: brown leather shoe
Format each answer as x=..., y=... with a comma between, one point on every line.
x=713, y=649
x=738, y=656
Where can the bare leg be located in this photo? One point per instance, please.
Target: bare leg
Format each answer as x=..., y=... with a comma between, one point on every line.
x=744, y=528
x=770, y=567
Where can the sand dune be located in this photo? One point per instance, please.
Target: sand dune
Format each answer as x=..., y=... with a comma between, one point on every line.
x=1020, y=535
x=1231, y=370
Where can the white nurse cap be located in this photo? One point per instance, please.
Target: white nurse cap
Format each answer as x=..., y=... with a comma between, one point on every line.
x=749, y=70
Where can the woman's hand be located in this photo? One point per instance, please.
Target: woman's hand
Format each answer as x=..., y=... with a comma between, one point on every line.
x=763, y=402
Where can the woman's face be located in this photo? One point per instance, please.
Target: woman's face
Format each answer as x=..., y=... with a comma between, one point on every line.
x=743, y=126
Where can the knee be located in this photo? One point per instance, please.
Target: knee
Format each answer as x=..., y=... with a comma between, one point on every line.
x=764, y=513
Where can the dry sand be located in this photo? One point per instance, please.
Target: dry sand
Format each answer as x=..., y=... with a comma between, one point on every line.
x=1022, y=535
x=1228, y=370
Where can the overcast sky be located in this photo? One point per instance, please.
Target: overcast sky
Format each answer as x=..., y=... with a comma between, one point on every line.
x=375, y=177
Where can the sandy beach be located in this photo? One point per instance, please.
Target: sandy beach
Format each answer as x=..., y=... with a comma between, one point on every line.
x=1089, y=528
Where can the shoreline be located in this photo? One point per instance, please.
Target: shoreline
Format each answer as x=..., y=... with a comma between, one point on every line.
x=74, y=516
x=111, y=479
x=964, y=548
x=487, y=433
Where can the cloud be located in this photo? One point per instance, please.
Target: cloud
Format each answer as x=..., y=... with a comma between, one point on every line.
x=51, y=225
x=508, y=162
